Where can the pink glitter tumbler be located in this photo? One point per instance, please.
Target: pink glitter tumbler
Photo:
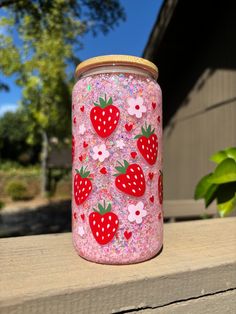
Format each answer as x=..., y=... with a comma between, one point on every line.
x=117, y=213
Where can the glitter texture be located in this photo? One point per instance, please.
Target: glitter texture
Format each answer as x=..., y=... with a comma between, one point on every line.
x=117, y=161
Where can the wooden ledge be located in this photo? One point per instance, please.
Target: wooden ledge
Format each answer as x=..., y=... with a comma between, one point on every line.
x=197, y=267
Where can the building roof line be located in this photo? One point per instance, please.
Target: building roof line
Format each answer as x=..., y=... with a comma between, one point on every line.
x=160, y=26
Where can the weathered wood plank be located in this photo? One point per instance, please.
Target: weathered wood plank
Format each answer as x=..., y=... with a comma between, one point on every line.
x=220, y=303
x=43, y=274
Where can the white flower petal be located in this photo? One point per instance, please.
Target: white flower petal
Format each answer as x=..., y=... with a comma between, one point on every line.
x=120, y=144
x=81, y=231
x=95, y=149
x=143, y=109
x=143, y=213
x=102, y=147
x=101, y=158
x=82, y=129
x=131, y=102
x=140, y=205
x=94, y=156
x=139, y=219
x=139, y=101
x=131, y=218
x=131, y=111
x=132, y=209
x=138, y=114
x=106, y=154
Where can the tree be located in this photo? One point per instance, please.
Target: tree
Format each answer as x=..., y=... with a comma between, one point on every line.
x=43, y=54
x=13, y=132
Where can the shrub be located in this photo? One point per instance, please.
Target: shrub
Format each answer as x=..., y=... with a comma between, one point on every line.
x=17, y=190
x=2, y=204
x=220, y=185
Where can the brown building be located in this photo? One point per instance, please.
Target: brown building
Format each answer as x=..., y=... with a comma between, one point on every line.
x=194, y=45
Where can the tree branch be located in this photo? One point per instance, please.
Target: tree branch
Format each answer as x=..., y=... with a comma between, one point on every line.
x=6, y=3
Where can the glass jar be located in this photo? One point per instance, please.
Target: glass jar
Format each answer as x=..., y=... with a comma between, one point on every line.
x=117, y=160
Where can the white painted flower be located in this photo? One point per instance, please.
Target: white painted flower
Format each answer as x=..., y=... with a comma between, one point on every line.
x=100, y=152
x=82, y=129
x=120, y=144
x=136, y=212
x=81, y=231
x=136, y=107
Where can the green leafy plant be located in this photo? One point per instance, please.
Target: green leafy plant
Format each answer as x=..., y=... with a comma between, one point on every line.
x=220, y=185
x=2, y=204
x=16, y=190
x=41, y=56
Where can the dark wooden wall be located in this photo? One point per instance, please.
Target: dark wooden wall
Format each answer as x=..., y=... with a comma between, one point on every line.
x=197, y=63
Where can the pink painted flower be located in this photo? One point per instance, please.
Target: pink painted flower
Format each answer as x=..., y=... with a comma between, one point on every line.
x=120, y=144
x=136, y=107
x=136, y=212
x=82, y=129
x=100, y=152
x=81, y=231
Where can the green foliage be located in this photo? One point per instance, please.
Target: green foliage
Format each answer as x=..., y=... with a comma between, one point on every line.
x=16, y=190
x=221, y=184
x=223, y=154
x=13, y=168
x=2, y=204
x=39, y=45
x=13, y=134
x=43, y=54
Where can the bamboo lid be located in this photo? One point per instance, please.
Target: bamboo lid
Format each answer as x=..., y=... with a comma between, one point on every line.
x=116, y=60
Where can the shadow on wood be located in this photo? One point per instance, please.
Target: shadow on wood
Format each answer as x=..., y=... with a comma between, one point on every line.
x=51, y=218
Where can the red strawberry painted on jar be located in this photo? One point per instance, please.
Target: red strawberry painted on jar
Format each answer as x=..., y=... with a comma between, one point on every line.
x=82, y=185
x=148, y=144
x=130, y=179
x=160, y=187
x=104, y=117
x=103, y=223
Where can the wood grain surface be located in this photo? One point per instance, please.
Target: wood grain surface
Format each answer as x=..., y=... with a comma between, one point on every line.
x=43, y=274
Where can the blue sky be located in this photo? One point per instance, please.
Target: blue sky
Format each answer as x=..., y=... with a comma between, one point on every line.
x=130, y=37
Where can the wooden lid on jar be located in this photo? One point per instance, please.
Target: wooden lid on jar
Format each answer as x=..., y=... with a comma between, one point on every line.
x=116, y=60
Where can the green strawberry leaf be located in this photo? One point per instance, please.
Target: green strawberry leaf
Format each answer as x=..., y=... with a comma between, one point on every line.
x=225, y=172
x=102, y=101
x=120, y=163
x=109, y=101
x=109, y=207
x=143, y=131
x=147, y=131
x=126, y=164
x=120, y=169
x=226, y=198
x=86, y=174
x=100, y=207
